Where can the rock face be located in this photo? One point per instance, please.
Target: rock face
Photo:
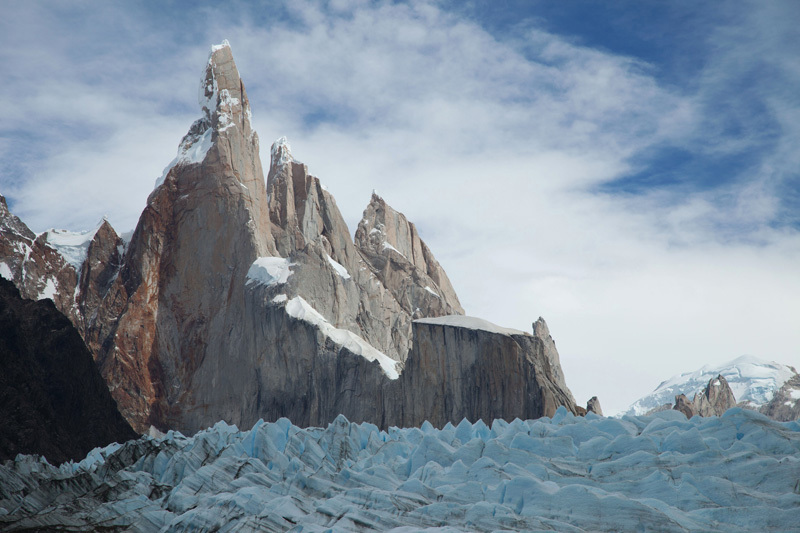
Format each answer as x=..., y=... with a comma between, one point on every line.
x=715, y=399
x=683, y=405
x=53, y=401
x=506, y=370
x=593, y=406
x=36, y=267
x=238, y=299
x=403, y=262
x=785, y=405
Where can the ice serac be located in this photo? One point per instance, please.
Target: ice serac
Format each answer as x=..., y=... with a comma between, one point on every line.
x=403, y=262
x=466, y=367
x=715, y=399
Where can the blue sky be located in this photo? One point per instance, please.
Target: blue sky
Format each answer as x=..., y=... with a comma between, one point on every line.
x=627, y=170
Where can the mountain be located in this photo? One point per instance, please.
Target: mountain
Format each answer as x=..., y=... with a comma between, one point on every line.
x=240, y=298
x=755, y=383
x=663, y=472
x=53, y=401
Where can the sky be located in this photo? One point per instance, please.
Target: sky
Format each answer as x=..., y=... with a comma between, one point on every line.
x=629, y=171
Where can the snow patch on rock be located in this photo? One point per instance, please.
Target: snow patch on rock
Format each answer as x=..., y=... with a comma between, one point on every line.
x=49, y=290
x=469, y=322
x=298, y=308
x=73, y=246
x=5, y=272
x=341, y=270
x=281, y=153
x=269, y=271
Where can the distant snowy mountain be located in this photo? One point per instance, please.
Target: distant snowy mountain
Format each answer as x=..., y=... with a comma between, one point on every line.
x=754, y=383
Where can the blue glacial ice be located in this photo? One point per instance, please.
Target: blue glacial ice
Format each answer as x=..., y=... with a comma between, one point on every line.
x=737, y=472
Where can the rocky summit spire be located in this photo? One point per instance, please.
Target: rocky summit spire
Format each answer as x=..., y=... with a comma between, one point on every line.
x=280, y=153
x=403, y=262
x=226, y=113
x=222, y=96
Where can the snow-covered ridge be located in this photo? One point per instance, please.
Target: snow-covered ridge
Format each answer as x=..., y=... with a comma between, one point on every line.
x=751, y=379
x=470, y=322
x=72, y=245
x=298, y=308
x=733, y=473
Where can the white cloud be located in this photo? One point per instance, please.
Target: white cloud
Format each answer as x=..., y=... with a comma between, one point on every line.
x=492, y=147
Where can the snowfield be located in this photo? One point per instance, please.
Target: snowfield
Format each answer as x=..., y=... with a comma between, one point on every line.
x=738, y=472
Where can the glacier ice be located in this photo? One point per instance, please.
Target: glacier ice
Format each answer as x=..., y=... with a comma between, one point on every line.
x=737, y=472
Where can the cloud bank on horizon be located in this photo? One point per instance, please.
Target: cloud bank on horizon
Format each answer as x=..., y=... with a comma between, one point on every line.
x=629, y=172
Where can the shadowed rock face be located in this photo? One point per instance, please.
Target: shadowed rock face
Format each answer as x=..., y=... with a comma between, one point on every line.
x=458, y=369
x=238, y=299
x=53, y=401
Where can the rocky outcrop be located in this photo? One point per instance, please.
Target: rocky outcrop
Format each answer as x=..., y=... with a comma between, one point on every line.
x=593, y=406
x=683, y=405
x=715, y=399
x=53, y=401
x=330, y=272
x=785, y=405
x=98, y=271
x=238, y=299
x=542, y=332
x=403, y=262
x=465, y=367
x=36, y=268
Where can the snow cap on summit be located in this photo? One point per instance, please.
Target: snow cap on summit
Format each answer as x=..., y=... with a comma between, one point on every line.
x=281, y=152
x=223, y=44
x=221, y=80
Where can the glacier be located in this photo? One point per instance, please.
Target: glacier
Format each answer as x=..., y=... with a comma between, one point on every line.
x=737, y=472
